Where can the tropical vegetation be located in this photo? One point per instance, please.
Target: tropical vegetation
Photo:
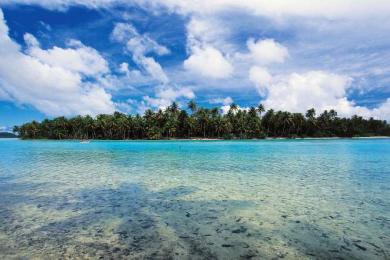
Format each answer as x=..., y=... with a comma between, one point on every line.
x=199, y=122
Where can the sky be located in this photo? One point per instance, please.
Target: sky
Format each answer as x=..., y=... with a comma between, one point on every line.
x=71, y=57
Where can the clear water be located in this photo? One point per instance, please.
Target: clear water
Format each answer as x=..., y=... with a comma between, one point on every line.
x=292, y=199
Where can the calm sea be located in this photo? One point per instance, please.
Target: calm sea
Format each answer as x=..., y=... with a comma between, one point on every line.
x=292, y=199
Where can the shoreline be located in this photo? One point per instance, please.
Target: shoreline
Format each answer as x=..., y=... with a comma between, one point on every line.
x=208, y=139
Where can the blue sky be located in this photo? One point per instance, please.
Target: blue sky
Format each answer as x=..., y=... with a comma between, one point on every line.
x=68, y=57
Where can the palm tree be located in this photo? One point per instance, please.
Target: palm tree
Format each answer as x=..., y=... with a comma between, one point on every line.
x=192, y=106
x=173, y=108
x=233, y=107
x=260, y=109
x=203, y=119
x=60, y=128
x=253, y=123
x=174, y=122
x=268, y=121
x=103, y=125
x=311, y=113
x=16, y=130
x=312, y=125
x=191, y=126
x=299, y=122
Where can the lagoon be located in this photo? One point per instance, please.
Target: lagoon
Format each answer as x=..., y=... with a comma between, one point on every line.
x=266, y=199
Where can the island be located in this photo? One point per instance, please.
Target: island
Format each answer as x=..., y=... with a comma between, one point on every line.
x=195, y=122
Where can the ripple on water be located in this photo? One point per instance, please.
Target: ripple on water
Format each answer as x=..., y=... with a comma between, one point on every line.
x=227, y=200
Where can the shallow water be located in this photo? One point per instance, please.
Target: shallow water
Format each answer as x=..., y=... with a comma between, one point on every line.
x=292, y=199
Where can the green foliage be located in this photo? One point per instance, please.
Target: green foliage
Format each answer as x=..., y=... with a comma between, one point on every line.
x=206, y=123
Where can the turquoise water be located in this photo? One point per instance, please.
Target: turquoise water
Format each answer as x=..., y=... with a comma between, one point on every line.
x=292, y=199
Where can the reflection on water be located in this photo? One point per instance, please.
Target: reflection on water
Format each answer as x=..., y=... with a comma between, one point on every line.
x=200, y=200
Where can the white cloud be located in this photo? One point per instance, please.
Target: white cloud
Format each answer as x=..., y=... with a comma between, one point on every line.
x=207, y=31
x=51, y=88
x=76, y=58
x=152, y=67
x=279, y=8
x=208, y=62
x=299, y=92
x=124, y=68
x=141, y=45
x=123, y=32
x=125, y=79
x=320, y=90
x=275, y=8
x=3, y=94
x=382, y=111
x=203, y=34
x=137, y=43
x=266, y=51
x=166, y=95
x=224, y=101
x=225, y=109
x=63, y=4
x=261, y=78
x=128, y=106
x=31, y=41
x=214, y=55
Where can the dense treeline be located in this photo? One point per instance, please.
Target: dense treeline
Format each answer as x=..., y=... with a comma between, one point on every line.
x=204, y=123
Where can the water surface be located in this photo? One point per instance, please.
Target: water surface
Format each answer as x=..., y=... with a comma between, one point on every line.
x=293, y=199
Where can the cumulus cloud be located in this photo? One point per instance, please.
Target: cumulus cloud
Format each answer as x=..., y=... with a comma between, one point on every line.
x=382, y=111
x=266, y=51
x=208, y=62
x=299, y=92
x=205, y=60
x=213, y=52
x=166, y=95
x=225, y=109
x=31, y=41
x=225, y=102
x=76, y=58
x=320, y=90
x=50, y=86
x=152, y=67
x=261, y=79
x=208, y=30
x=141, y=45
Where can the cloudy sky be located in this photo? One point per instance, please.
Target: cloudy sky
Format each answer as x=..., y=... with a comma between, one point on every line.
x=68, y=57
